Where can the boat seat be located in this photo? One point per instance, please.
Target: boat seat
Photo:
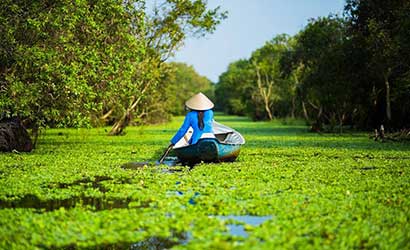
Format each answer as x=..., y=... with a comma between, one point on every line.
x=222, y=137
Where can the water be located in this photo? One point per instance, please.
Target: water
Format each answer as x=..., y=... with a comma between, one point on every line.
x=151, y=243
x=168, y=161
x=77, y=199
x=93, y=203
x=157, y=243
x=239, y=230
x=183, y=238
x=192, y=199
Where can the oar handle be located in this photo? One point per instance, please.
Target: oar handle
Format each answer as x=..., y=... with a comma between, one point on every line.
x=165, y=153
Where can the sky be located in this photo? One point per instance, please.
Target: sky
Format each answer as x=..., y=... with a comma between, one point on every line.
x=249, y=25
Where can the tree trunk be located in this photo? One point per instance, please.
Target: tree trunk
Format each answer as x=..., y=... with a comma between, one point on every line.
x=13, y=136
x=121, y=124
x=106, y=115
x=125, y=119
x=263, y=92
x=317, y=125
x=388, y=102
x=35, y=133
x=305, y=113
x=292, y=112
x=270, y=116
x=341, y=121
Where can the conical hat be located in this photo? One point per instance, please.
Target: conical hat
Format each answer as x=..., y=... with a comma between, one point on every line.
x=199, y=102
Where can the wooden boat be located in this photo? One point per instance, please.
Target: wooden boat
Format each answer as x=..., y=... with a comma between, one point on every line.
x=223, y=146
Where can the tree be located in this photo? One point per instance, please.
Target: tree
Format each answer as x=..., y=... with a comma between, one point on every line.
x=256, y=86
x=381, y=29
x=76, y=63
x=335, y=72
x=164, y=31
x=233, y=90
x=178, y=82
x=181, y=82
x=270, y=86
x=320, y=62
x=61, y=60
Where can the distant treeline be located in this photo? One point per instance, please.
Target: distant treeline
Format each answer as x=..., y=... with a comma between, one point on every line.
x=67, y=63
x=83, y=63
x=352, y=70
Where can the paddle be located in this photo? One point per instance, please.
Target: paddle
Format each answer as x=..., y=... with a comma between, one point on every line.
x=134, y=165
x=165, y=153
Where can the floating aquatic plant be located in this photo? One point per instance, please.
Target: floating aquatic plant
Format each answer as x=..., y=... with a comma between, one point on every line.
x=318, y=191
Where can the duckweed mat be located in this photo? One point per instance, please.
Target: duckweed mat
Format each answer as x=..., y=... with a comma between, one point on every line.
x=289, y=189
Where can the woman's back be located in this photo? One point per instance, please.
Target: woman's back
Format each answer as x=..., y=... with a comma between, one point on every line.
x=193, y=119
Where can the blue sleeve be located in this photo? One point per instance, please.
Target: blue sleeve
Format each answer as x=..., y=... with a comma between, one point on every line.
x=182, y=130
x=208, y=119
x=211, y=115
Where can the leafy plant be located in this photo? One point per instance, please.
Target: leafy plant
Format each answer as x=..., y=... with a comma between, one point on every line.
x=317, y=191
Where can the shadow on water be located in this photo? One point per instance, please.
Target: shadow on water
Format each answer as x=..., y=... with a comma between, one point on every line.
x=95, y=182
x=94, y=202
x=151, y=243
x=157, y=243
x=99, y=202
x=236, y=228
x=171, y=164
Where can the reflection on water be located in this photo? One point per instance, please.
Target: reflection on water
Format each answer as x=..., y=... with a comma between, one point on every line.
x=182, y=238
x=169, y=161
x=157, y=243
x=239, y=230
x=93, y=203
x=151, y=243
x=96, y=202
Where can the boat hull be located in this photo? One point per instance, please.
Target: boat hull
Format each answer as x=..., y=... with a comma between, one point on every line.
x=207, y=150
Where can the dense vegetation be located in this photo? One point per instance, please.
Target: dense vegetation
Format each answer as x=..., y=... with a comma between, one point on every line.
x=352, y=70
x=79, y=63
x=102, y=64
x=181, y=82
x=312, y=191
x=96, y=63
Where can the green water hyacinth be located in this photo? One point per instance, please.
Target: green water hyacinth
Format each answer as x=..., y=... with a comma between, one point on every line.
x=329, y=191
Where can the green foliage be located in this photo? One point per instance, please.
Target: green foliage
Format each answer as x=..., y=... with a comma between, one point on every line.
x=334, y=72
x=256, y=86
x=233, y=88
x=166, y=27
x=182, y=82
x=75, y=63
x=66, y=59
x=322, y=191
x=326, y=87
x=381, y=31
x=271, y=87
x=177, y=83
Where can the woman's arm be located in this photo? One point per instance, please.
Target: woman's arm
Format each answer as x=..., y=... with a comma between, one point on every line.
x=182, y=130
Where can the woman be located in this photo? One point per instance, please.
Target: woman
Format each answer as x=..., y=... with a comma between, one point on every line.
x=199, y=118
